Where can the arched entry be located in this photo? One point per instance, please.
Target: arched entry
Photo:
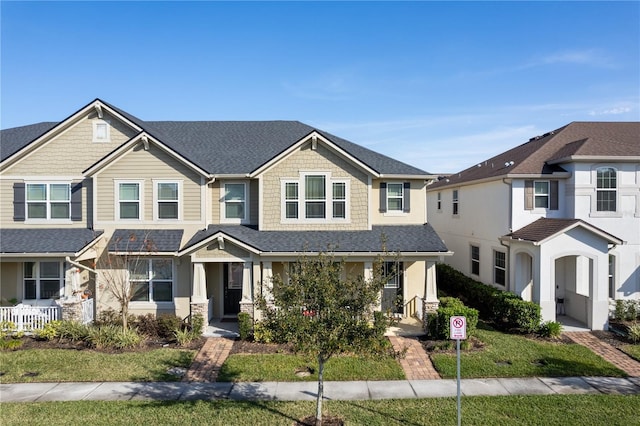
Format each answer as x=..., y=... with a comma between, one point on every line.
x=574, y=287
x=524, y=277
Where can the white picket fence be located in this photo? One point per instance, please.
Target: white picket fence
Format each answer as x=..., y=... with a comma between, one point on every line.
x=29, y=318
x=87, y=311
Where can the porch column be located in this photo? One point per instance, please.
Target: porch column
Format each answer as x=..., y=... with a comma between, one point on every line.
x=267, y=281
x=71, y=282
x=431, y=301
x=247, y=296
x=367, y=274
x=199, y=290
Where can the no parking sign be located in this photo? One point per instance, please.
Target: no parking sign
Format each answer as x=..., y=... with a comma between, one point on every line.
x=458, y=328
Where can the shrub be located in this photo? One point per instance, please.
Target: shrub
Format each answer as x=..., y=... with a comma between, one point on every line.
x=262, y=333
x=197, y=325
x=634, y=332
x=619, y=312
x=113, y=337
x=10, y=344
x=147, y=325
x=552, y=329
x=245, y=324
x=73, y=330
x=168, y=324
x=631, y=310
x=112, y=317
x=438, y=322
x=50, y=331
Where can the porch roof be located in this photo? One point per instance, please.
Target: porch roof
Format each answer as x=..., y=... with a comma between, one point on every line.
x=39, y=241
x=156, y=241
x=544, y=229
x=397, y=238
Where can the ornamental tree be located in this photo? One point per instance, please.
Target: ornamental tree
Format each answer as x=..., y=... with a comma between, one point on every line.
x=327, y=312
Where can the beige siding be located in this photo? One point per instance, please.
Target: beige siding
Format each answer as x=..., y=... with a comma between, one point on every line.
x=320, y=160
x=145, y=166
x=230, y=251
x=72, y=151
x=254, y=200
x=215, y=201
x=418, y=208
x=9, y=286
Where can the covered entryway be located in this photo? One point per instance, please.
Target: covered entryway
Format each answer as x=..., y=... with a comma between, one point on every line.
x=232, y=287
x=393, y=291
x=524, y=277
x=574, y=287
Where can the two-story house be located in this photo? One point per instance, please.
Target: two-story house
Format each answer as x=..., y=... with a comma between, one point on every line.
x=555, y=220
x=213, y=208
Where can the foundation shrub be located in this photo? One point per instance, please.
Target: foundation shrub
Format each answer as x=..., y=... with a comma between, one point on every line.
x=245, y=326
x=168, y=324
x=438, y=323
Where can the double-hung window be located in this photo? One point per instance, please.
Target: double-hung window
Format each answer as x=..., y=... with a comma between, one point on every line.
x=455, y=201
x=291, y=200
x=167, y=197
x=128, y=205
x=475, y=260
x=43, y=280
x=499, y=268
x=315, y=197
x=48, y=200
x=541, y=194
x=394, y=197
x=151, y=280
x=339, y=200
x=234, y=199
x=439, y=201
x=606, y=185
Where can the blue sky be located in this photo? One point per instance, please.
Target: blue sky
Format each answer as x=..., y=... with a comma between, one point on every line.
x=438, y=85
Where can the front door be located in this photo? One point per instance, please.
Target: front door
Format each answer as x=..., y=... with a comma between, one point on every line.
x=232, y=287
x=393, y=293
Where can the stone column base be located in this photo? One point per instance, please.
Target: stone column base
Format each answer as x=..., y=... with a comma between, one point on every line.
x=72, y=310
x=201, y=308
x=248, y=307
x=430, y=308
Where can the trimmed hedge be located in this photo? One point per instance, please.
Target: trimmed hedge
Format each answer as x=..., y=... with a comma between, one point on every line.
x=437, y=324
x=505, y=310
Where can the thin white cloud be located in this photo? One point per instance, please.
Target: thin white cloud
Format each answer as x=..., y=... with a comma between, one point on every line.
x=612, y=111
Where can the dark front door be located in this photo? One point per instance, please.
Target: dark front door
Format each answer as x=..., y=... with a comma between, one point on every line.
x=232, y=287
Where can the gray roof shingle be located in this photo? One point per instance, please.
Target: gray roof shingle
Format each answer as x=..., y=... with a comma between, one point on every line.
x=45, y=240
x=146, y=240
x=403, y=238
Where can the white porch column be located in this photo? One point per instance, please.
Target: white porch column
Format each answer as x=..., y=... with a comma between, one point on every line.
x=367, y=274
x=199, y=291
x=247, y=294
x=267, y=281
x=431, y=301
x=71, y=282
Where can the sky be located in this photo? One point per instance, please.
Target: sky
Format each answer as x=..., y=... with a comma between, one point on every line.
x=438, y=85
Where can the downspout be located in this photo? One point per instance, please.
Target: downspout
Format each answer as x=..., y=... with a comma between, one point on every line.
x=508, y=182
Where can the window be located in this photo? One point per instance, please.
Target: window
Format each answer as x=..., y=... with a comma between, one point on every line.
x=43, y=280
x=541, y=194
x=151, y=280
x=606, y=189
x=167, y=197
x=475, y=260
x=315, y=197
x=499, y=268
x=48, y=200
x=455, y=201
x=129, y=200
x=101, y=131
x=235, y=202
x=395, y=197
x=439, y=204
x=393, y=272
x=612, y=276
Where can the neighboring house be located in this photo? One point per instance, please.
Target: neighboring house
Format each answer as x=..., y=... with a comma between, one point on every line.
x=221, y=206
x=555, y=220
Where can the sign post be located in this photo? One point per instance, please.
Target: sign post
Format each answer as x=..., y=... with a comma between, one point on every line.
x=458, y=330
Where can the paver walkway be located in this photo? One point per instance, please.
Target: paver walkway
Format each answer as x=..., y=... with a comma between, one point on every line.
x=209, y=360
x=606, y=351
x=416, y=363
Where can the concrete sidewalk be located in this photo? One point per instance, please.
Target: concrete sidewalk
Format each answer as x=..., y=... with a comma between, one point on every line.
x=299, y=391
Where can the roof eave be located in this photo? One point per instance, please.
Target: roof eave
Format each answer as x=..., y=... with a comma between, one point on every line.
x=554, y=175
x=595, y=159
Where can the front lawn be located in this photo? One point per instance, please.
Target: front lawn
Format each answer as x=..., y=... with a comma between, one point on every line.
x=549, y=410
x=632, y=350
x=283, y=367
x=508, y=355
x=68, y=365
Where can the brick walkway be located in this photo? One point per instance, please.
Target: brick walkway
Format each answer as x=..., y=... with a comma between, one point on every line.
x=206, y=365
x=606, y=351
x=416, y=363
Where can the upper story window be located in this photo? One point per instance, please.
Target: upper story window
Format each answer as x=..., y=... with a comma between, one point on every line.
x=499, y=268
x=475, y=260
x=234, y=202
x=541, y=194
x=439, y=201
x=48, y=200
x=395, y=197
x=43, y=280
x=151, y=280
x=606, y=186
x=129, y=200
x=168, y=200
x=315, y=196
x=455, y=201
x=101, y=131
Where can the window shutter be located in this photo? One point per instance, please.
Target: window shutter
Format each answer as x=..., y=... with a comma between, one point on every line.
x=383, y=197
x=76, y=201
x=553, y=195
x=406, y=194
x=528, y=195
x=19, y=202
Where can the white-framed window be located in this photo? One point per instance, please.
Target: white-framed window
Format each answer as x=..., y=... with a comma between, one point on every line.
x=101, y=131
x=151, y=279
x=43, y=279
x=48, y=201
x=234, y=202
x=167, y=197
x=129, y=200
x=606, y=189
x=455, y=202
x=315, y=196
x=395, y=197
x=439, y=201
x=475, y=260
x=541, y=194
x=499, y=268
x=393, y=272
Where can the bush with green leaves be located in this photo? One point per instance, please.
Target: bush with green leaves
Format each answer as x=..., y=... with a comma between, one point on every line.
x=245, y=326
x=633, y=332
x=147, y=325
x=73, y=330
x=262, y=333
x=550, y=329
x=632, y=311
x=10, y=339
x=437, y=324
x=50, y=331
x=168, y=324
x=113, y=337
x=197, y=325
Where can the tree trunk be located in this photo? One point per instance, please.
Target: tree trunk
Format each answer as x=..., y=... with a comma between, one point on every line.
x=125, y=313
x=320, y=390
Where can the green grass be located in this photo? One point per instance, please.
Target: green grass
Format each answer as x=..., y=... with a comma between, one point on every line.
x=549, y=410
x=632, y=350
x=508, y=355
x=281, y=367
x=66, y=365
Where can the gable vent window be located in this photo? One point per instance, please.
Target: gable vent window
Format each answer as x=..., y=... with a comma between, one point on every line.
x=101, y=131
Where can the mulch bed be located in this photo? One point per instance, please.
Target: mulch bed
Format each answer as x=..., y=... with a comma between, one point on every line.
x=248, y=347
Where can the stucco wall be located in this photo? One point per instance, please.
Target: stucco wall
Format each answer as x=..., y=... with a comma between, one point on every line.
x=417, y=213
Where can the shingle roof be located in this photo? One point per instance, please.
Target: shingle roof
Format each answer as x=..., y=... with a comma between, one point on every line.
x=225, y=147
x=404, y=238
x=540, y=155
x=544, y=228
x=146, y=240
x=45, y=240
